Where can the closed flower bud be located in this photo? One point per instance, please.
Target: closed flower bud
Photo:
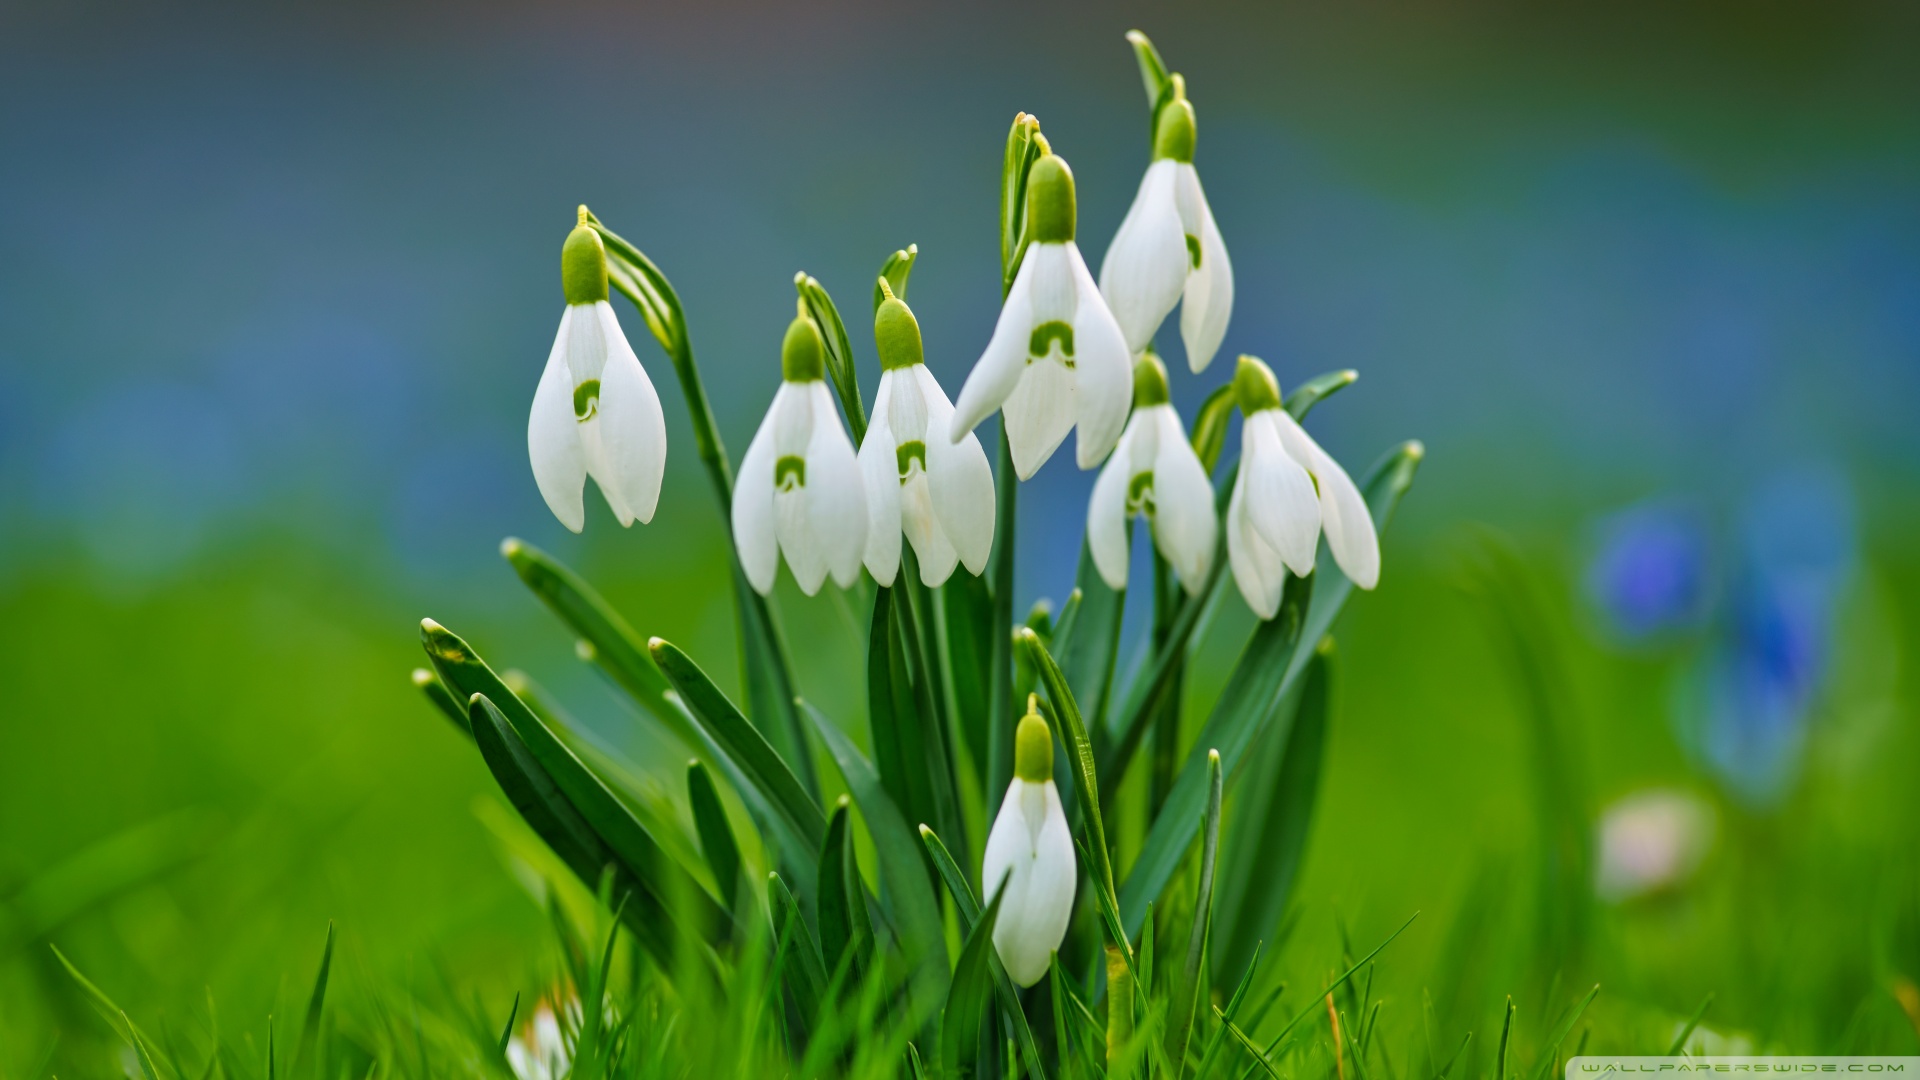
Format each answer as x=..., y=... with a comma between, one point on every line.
x=1031, y=850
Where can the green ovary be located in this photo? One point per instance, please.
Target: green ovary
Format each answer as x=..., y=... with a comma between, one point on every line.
x=789, y=473
x=1046, y=334
x=906, y=454
x=586, y=400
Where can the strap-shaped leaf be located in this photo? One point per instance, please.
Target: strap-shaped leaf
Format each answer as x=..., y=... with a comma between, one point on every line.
x=840, y=367
x=892, y=715
x=617, y=649
x=1088, y=639
x=1153, y=70
x=968, y=611
x=717, y=843
x=846, y=937
x=1080, y=753
x=968, y=910
x=913, y=623
x=1272, y=815
x=604, y=814
x=1210, y=423
x=895, y=272
x=797, y=961
x=553, y=817
x=1022, y=152
x=998, y=770
x=907, y=896
x=967, y=997
x=741, y=742
x=437, y=693
x=1267, y=671
x=1317, y=389
x=1187, y=986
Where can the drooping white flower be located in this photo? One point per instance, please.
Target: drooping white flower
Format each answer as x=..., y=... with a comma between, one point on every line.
x=1651, y=841
x=1168, y=249
x=1153, y=473
x=1287, y=491
x=538, y=1051
x=1057, y=359
x=1031, y=849
x=938, y=492
x=595, y=412
x=799, y=491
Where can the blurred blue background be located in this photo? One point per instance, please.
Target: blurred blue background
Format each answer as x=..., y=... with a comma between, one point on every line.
x=276, y=283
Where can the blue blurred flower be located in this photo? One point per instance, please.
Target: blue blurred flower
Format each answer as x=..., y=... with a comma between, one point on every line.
x=1652, y=571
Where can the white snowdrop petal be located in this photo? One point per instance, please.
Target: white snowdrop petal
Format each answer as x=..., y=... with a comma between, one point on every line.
x=879, y=472
x=1103, y=371
x=793, y=524
x=1145, y=267
x=1207, y=303
x=1107, y=522
x=999, y=368
x=1281, y=503
x=754, y=536
x=1257, y=568
x=1343, y=511
x=1184, y=526
x=1030, y=849
x=1038, y=415
x=960, y=479
x=922, y=527
x=553, y=444
x=836, y=496
x=633, y=430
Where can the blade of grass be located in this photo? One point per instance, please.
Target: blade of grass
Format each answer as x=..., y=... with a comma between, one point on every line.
x=968, y=911
x=967, y=997
x=717, y=843
x=1544, y=1070
x=1693, y=1022
x=1186, y=991
x=316, y=1003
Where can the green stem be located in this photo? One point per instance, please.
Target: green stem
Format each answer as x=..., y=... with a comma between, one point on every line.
x=1000, y=704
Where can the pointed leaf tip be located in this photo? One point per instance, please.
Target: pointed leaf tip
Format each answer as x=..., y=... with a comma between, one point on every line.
x=421, y=676
x=511, y=547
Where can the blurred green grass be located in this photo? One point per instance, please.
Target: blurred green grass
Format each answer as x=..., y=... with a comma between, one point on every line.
x=202, y=775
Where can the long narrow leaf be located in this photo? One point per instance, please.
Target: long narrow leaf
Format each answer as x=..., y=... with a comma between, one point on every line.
x=1080, y=752
x=1187, y=990
x=717, y=843
x=968, y=909
x=967, y=997
x=1268, y=669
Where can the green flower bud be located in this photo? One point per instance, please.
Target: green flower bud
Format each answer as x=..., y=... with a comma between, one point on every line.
x=1149, y=381
x=583, y=264
x=1254, y=386
x=896, y=333
x=1050, y=200
x=1033, y=746
x=803, y=355
x=1173, y=131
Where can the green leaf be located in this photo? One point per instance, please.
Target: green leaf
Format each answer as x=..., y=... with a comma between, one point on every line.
x=616, y=648
x=840, y=896
x=115, y=1017
x=742, y=743
x=798, y=960
x=969, y=618
x=840, y=367
x=927, y=730
x=555, y=819
x=1314, y=390
x=664, y=883
x=1268, y=670
x=1021, y=153
x=1210, y=426
x=1680, y=1042
x=316, y=1004
x=436, y=692
x=908, y=898
x=1088, y=639
x=1565, y=1026
x=967, y=997
x=506, y=1032
x=1000, y=714
x=1506, y=1042
x=1248, y=1045
x=1080, y=753
x=1316, y=1002
x=895, y=271
x=1217, y=1039
x=1187, y=990
x=1270, y=837
x=717, y=842
x=968, y=911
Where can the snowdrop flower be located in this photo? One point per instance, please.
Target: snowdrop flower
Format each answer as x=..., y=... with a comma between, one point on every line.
x=1650, y=841
x=1031, y=850
x=595, y=412
x=1057, y=358
x=1153, y=472
x=538, y=1051
x=799, y=490
x=1287, y=490
x=940, y=493
x=1168, y=247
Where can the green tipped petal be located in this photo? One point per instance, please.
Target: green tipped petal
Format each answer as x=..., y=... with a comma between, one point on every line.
x=1149, y=381
x=1033, y=747
x=1050, y=200
x=583, y=264
x=1173, y=130
x=803, y=355
x=896, y=333
x=1254, y=386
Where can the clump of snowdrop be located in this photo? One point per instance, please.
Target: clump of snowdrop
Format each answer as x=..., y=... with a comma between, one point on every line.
x=1031, y=850
x=1651, y=841
x=1287, y=491
x=938, y=492
x=1168, y=250
x=1153, y=473
x=1057, y=359
x=595, y=412
x=799, y=493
